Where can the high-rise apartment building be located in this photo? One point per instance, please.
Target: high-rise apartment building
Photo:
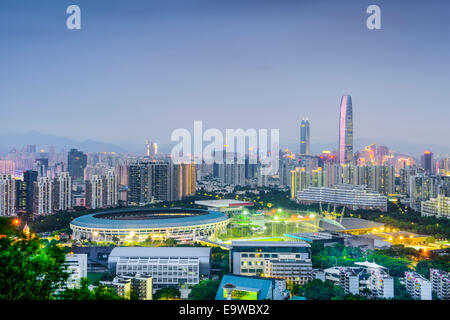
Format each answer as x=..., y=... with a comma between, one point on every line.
x=42, y=196
x=346, y=130
x=111, y=188
x=95, y=192
x=62, y=192
x=7, y=195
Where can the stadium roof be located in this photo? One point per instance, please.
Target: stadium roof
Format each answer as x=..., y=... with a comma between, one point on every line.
x=350, y=224
x=95, y=221
x=371, y=265
x=224, y=203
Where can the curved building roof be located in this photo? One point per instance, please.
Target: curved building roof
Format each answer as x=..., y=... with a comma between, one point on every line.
x=199, y=217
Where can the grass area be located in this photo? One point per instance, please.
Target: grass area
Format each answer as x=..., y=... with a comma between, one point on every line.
x=94, y=277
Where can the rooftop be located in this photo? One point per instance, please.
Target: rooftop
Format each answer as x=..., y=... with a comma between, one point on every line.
x=349, y=224
x=160, y=251
x=268, y=244
x=223, y=203
x=263, y=285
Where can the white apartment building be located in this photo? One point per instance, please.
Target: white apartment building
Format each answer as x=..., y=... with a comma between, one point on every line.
x=417, y=286
x=63, y=191
x=7, y=195
x=77, y=268
x=352, y=196
x=438, y=207
x=367, y=275
x=111, y=189
x=440, y=280
x=42, y=196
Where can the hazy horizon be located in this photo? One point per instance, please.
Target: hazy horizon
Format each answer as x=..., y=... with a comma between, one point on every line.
x=141, y=69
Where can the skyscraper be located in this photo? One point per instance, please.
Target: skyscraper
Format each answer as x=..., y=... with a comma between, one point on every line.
x=346, y=130
x=304, y=137
x=24, y=192
x=76, y=162
x=427, y=162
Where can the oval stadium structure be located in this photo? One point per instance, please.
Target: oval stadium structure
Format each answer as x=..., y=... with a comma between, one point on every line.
x=139, y=224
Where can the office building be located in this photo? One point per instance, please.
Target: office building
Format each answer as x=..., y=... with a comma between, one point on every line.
x=346, y=130
x=417, y=286
x=25, y=196
x=305, y=137
x=168, y=266
x=290, y=261
x=427, y=163
x=76, y=162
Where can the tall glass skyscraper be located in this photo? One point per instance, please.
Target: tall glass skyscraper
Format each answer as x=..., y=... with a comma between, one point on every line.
x=304, y=137
x=346, y=130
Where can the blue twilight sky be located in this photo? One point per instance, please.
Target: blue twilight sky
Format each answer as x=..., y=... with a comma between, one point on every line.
x=141, y=69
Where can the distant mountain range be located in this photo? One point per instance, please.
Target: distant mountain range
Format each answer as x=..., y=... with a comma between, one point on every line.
x=10, y=140
x=14, y=140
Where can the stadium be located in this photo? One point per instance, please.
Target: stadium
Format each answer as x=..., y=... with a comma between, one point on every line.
x=139, y=224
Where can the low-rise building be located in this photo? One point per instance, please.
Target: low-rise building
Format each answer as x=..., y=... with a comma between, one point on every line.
x=141, y=286
x=438, y=207
x=290, y=261
x=228, y=206
x=236, y=287
x=353, y=197
x=168, y=266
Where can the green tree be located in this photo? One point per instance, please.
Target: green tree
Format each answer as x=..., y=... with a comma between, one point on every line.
x=167, y=294
x=205, y=290
x=83, y=293
x=30, y=270
x=322, y=290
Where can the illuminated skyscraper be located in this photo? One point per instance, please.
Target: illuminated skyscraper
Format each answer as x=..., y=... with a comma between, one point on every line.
x=427, y=162
x=76, y=162
x=346, y=130
x=304, y=137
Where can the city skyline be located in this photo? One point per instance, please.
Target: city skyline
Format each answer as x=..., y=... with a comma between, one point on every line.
x=155, y=88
